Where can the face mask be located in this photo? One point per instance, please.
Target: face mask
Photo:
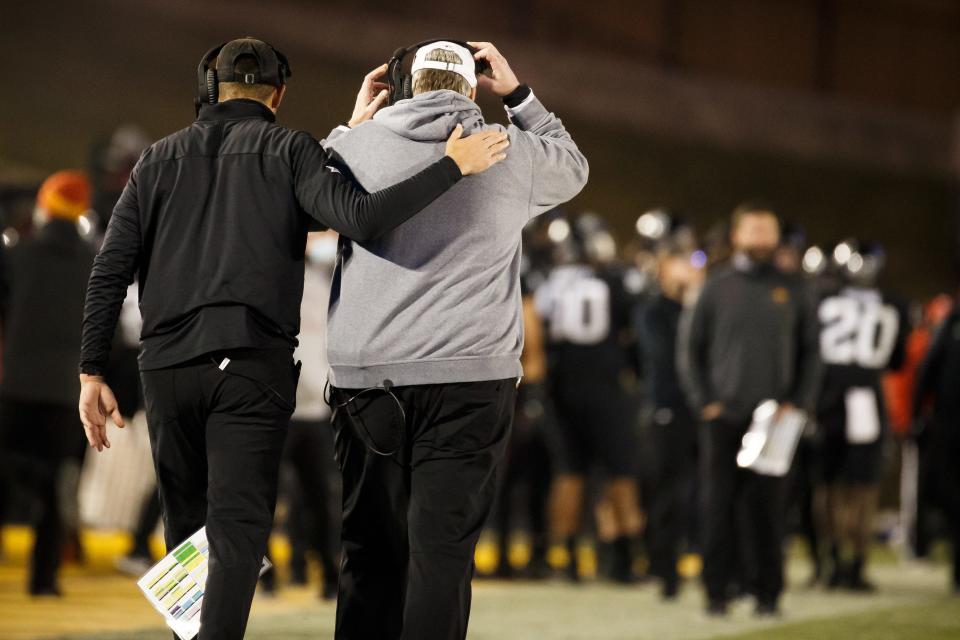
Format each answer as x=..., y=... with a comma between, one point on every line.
x=760, y=255
x=323, y=250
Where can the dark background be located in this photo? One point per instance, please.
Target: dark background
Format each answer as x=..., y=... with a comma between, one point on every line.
x=843, y=112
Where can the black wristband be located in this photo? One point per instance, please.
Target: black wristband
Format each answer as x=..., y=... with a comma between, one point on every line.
x=517, y=96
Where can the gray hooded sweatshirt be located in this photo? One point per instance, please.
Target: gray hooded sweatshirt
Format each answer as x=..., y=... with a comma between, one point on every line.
x=437, y=300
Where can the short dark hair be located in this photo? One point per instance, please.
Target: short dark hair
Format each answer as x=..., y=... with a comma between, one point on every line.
x=756, y=206
x=229, y=90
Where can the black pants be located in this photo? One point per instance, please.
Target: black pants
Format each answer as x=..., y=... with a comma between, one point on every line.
x=942, y=477
x=799, y=500
x=411, y=520
x=37, y=440
x=146, y=523
x=217, y=438
x=672, y=439
x=743, y=519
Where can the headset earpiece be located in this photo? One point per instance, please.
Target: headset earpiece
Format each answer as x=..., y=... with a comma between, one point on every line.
x=203, y=78
x=395, y=75
x=212, y=89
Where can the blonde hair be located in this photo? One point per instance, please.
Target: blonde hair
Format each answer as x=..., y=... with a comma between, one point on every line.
x=426, y=80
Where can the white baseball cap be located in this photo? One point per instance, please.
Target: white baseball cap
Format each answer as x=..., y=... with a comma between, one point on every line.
x=467, y=69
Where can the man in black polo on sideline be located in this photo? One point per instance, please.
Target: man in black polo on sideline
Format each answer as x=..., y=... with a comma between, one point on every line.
x=214, y=221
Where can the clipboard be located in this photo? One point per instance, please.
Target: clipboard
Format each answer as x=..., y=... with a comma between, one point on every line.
x=175, y=585
x=771, y=441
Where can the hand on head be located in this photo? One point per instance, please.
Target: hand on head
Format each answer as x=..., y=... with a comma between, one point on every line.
x=373, y=94
x=500, y=79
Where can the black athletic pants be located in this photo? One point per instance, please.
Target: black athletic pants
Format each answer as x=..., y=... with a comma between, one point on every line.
x=743, y=518
x=672, y=438
x=146, y=523
x=217, y=439
x=943, y=478
x=36, y=440
x=411, y=520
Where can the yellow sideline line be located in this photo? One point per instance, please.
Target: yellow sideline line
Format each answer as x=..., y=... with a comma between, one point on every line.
x=103, y=548
x=98, y=599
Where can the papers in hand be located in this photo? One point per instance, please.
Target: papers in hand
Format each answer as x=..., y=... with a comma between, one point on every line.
x=175, y=585
x=771, y=441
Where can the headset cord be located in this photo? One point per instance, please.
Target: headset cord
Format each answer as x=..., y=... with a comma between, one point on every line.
x=366, y=437
x=286, y=404
x=368, y=440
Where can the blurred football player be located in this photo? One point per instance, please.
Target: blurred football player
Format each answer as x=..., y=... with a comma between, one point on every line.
x=862, y=335
x=587, y=311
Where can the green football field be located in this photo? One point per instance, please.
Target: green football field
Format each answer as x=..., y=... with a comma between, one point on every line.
x=913, y=603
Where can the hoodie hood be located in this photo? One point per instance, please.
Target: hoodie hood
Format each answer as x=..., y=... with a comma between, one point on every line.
x=431, y=116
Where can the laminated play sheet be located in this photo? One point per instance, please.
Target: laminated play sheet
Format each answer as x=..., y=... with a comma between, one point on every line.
x=174, y=586
x=771, y=441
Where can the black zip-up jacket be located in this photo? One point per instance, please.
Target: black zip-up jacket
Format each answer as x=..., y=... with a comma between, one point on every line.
x=657, y=339
x=753, y=336
x=213, y=221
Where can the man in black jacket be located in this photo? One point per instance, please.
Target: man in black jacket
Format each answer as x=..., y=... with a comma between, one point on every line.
x=38, y=422
x=3, y=287
x=214, y=220
x=673, y=432
x=939, y=376
x=752, y=337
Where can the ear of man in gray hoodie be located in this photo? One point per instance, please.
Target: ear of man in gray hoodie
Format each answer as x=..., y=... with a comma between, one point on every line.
x=437, y=300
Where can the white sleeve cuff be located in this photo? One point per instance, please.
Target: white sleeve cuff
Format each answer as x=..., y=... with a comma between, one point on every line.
x=514, y=110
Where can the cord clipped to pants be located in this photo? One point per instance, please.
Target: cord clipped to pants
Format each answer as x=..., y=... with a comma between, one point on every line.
x=367, y=438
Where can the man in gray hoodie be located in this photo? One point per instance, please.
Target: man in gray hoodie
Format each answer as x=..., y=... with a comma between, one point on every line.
x=425, y=334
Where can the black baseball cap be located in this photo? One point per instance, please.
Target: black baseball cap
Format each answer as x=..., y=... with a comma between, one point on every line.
x=273, y=67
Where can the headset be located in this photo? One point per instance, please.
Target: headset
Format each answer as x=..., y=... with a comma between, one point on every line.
x=401, y=83
x=274, y=69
